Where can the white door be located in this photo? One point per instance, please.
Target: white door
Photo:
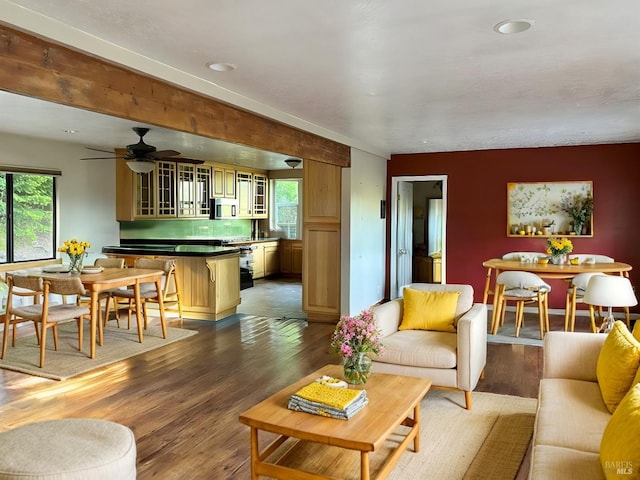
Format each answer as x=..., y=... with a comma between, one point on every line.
x=404, y=253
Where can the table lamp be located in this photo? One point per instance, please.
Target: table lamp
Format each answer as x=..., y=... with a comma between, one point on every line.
x=609, y=291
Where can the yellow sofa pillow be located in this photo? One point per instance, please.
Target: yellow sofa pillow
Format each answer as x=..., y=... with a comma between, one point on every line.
x=636, y=330
x=620, y=444
x=429, y=310
x=618, y=364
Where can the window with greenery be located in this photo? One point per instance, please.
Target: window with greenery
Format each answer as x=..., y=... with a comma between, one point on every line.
x=27, y=217
x=286, y=196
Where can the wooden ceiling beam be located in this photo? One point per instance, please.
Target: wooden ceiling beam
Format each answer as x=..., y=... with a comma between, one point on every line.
x=38, y=68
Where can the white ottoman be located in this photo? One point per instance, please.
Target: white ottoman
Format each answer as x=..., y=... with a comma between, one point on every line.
x=69, y=449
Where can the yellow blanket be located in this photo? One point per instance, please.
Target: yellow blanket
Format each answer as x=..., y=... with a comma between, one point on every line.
x=336, y=397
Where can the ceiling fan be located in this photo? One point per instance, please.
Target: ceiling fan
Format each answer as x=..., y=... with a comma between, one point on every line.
x=141, y=156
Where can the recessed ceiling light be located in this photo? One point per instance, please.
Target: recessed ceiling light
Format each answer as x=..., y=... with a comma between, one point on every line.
x=221, y=66
x=70, y=130
x=507, y=27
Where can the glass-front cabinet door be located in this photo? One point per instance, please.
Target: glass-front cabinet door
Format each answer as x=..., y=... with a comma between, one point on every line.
x=186, y=190
x=145, y=194
x=260, y=198
x=245, y=194
x=203, y=191
x=166, y=172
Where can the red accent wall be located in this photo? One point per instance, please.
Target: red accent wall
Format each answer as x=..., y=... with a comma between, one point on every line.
x=477, y=203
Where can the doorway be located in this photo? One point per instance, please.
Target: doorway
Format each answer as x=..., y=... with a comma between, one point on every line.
x=412, y=208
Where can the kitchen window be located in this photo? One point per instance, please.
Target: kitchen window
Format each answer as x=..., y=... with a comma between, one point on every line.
x=27, y=217
x=286, y=207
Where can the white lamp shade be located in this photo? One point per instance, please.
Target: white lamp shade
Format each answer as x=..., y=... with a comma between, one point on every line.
x=610, y=291
x=141, y=166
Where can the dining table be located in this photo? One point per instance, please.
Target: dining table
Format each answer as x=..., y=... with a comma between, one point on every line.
x=112, y=278
x=565, y=271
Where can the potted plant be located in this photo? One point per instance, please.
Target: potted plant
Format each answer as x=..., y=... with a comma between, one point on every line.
x=579, y=209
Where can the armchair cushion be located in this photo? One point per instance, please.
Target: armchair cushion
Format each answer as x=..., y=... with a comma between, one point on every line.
x=424, y=310
x=618, y=364
x=421, y=349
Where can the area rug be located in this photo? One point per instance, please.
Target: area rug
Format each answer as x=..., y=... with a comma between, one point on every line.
x=487, y=442
x=68, y=361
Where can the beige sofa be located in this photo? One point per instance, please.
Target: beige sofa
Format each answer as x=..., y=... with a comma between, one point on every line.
x=454, y=360
x=571, y=415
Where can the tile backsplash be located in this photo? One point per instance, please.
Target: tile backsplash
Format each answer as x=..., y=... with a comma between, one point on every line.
x=187, y=229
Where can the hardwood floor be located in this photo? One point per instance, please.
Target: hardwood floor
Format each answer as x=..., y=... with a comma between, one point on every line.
x=183, y=400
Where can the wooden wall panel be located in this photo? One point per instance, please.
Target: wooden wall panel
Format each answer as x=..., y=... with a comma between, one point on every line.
x=322, y=182
x=321, y=272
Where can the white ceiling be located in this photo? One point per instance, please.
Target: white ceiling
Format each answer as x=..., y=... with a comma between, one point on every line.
x=386, y=76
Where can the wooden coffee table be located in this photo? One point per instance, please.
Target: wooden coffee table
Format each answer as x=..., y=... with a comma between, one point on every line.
x=394, y=400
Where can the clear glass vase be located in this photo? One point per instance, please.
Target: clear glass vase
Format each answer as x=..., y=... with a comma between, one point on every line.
x=75, y=263
x=559, y=259
x=357, y=368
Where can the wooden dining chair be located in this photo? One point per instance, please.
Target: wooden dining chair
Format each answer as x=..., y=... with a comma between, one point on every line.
x=148, y=292
x=521, y=288
x=24, y=287
x=106, y=296
x=49, y=315
x=576, y=288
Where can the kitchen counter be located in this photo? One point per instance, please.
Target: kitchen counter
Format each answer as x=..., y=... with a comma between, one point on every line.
x=170, y=250
x=249, y=241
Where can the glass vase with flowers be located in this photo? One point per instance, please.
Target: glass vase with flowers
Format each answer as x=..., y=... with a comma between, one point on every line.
x=558, y=248
x=353, y=338
x=77, y=251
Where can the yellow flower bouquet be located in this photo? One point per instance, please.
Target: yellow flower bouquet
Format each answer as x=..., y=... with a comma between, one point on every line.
x=77, y=251
x=557, y=248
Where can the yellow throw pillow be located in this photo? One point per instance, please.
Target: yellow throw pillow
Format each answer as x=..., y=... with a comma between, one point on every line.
x=429, y=310
x=620, y=444
x=618, y=364
x=636, y=330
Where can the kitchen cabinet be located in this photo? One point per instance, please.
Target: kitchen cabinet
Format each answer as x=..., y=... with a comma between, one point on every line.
x=224, y=182
x=244, y=192
x=171, y=190
x=260, y=197
x=266, y=259
x=291, y=257
x=193, y=190
x=252, y=194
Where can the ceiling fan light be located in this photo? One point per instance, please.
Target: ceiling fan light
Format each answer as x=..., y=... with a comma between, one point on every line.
x=293, y=162
x=141, y=166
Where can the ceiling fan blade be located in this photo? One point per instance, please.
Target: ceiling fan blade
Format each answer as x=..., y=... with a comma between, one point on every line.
x=162, y=154
x=183, y=160
x=99, y=150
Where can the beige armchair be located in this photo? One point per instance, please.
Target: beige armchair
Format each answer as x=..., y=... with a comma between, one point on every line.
x=449, y=360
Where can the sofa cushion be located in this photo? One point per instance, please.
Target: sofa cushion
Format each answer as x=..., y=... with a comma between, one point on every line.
x=429, y=310
x=618, y=364
x=558, y=463
x=571, y=414
x=620, y=447
x=420, y=348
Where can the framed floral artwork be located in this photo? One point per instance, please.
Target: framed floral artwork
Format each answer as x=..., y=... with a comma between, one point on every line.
x=550, y=208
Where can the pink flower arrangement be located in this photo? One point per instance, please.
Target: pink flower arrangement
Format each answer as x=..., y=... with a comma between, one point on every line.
x=356, y=335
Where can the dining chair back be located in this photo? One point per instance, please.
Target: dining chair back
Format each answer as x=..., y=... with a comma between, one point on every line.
x=521, y=287
x=110, y=262
x=516, y=256
x=21, y=287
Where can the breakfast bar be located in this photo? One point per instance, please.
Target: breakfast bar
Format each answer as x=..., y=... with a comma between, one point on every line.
x=207, y=277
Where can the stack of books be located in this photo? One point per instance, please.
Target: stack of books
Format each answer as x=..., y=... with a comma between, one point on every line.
x=328, y=401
